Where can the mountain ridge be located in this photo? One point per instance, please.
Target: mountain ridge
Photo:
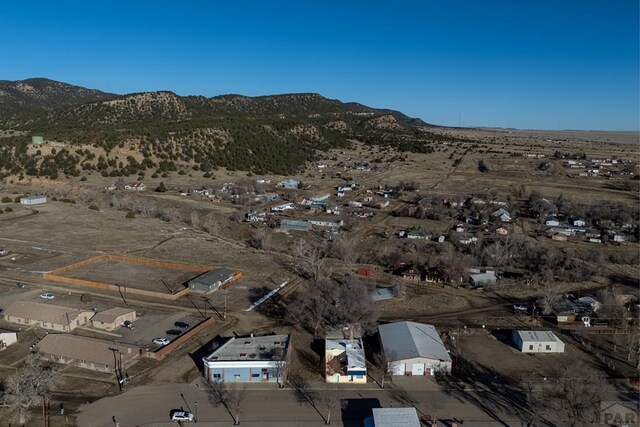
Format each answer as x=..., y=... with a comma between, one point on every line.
x=263, y=134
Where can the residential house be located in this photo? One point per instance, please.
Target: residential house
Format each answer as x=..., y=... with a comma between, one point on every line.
x=501, y=231
x=113, y=318
x=249, y=359
x=578, y=222
x=467, y=239
x=393, y=417
x=289, y=183
x=551, y=221
x=211, y=280
x=283, y=207
x=408, y=272
x=7, y=337
x=88, y=353
x=345, y=361
x=135, y=186
x=502, y=214
x=413, y=349
x=459, y=228
x=537, y=342
x=47, y=316
x=255, y=216
x=418, y=235
x=479, y=278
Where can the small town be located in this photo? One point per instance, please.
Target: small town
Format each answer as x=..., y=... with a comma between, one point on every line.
x=280, y=214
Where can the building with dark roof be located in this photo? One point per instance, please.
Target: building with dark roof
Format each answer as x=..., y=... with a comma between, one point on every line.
x=211, y=280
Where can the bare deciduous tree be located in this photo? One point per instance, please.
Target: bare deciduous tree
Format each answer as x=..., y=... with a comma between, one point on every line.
x=384, y=365
x=328, y=397
x=231, y=396
x=260, y=239
x=28, y=386
x=308, y=259
x=550, y=296
x=577, y=392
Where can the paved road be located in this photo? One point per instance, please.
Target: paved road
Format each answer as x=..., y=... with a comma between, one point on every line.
x=270, y=406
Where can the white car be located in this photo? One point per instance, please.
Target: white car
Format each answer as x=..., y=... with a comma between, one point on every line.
x=182, y=416
x=161, y=341
x=47, y=295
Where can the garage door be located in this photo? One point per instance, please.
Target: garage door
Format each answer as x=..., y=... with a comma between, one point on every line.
x=398, y=369
x=417, y=369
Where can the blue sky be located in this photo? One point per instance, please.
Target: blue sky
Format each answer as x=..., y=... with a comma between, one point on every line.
x=543, y=64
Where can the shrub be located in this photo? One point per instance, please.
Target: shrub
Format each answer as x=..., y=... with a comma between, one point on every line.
x=6, y=199
x=84, y=178
x=8, y=209
x=130, y=215
x=93, y=208
x=161, y=188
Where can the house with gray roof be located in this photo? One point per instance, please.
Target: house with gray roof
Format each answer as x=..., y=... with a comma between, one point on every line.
x=413, y=349
x=211, y=280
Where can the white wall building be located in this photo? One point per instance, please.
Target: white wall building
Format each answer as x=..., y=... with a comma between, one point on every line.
x=537, y=342
x=414, y=349
x=7, y=338
x=33, y=200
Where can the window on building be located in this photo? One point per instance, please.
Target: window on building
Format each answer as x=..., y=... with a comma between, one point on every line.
x=236, y=376
x=217, y=376
x=548, y=347
x=530, y=347
x=255, y=375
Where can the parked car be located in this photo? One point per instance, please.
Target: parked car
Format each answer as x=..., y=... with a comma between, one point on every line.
x=173, y=332
x=161, y=341
x=20, y=285
x=181, y=325
x=181, y=416
x=3, y=252
x=127, y=324
x=47, y=295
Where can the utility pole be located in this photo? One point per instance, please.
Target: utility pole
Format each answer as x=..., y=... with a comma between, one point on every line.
x=115, y=364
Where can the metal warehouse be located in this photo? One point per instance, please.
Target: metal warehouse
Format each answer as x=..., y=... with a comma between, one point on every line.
x=414, y=349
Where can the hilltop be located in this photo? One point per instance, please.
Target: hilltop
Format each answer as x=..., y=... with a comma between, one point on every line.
x=163, y=131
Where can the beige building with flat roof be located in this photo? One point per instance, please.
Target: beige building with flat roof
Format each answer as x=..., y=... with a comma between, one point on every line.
x=88, y=353
x=112, y=318
x=47, y=316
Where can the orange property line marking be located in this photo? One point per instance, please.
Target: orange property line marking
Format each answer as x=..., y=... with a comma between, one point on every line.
x=56, y=275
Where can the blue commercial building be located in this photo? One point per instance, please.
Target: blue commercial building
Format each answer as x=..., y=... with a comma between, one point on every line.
x=249, y=359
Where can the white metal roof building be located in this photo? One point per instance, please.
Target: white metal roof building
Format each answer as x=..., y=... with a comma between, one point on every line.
x=33, y=200
x=393, y=417
x=414, y=349
x=537, y=342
